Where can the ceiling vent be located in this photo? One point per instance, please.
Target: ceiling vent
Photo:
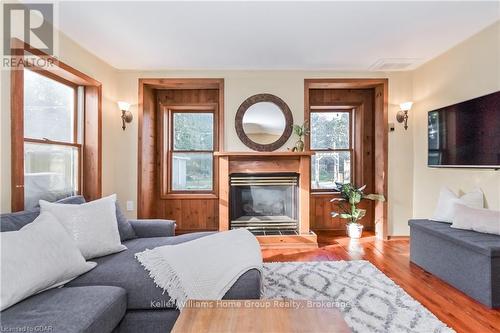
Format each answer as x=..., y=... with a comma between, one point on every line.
x=394, y=64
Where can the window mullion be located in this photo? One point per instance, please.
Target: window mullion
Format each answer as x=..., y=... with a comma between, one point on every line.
x=192, y=151
x=51, y=142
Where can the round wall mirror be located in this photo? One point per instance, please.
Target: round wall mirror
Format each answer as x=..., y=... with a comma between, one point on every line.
x=264, y=122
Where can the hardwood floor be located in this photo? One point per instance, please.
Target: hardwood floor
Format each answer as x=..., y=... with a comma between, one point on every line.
x=450, y=305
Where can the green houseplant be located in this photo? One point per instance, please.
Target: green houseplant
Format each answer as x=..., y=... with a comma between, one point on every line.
x=350, y=197
x=300, y=131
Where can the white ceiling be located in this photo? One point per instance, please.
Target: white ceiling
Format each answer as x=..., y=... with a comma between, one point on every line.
x=270, y=35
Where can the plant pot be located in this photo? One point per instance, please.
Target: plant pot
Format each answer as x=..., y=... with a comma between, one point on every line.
x=299, y=145
x=354, y=230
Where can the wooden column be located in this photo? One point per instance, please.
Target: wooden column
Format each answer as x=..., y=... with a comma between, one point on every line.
x=17, y=130
x=304, y=193
x=92, y=160
x=381, y=158
x=223, y=193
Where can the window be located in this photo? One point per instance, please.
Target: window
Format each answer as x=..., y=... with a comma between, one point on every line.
x=191, y=142
x=331, y=140
x=51, y=149
x=55, y=130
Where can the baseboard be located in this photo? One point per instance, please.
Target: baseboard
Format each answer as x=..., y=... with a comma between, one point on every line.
x=396, y=237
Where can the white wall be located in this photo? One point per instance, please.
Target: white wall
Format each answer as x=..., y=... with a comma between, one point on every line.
x=469, y=70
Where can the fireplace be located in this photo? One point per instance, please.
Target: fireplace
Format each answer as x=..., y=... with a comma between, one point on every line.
x=265, y=204
x=268, y=193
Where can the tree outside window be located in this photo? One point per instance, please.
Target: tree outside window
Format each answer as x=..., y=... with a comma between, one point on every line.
x=331, y=141
x=189, y=141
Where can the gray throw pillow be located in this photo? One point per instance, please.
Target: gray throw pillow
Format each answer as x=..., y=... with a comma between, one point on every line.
x=15, y=221
x=72, y=200
x=124, y=227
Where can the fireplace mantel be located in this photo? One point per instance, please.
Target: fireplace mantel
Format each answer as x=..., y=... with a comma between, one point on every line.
x=269, y=162
x=261, y=154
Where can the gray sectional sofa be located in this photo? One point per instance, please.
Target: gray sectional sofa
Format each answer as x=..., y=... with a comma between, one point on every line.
x=117, y=295
x=468, y=260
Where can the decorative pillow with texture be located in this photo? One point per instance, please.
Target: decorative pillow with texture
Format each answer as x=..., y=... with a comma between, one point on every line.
x=445, y=209
x=124, y=227
x=39, y=256
x=477, y=219
x=92, y=225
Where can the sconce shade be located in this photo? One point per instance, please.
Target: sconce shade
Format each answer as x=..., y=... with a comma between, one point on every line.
x=123, y=106
x=126, y=114
x=406, y=106
x=402, y=115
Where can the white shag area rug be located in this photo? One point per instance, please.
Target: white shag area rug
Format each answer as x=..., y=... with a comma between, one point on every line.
x=369, y=300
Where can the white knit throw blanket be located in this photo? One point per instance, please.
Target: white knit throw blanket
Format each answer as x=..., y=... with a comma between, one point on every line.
x=204, y=268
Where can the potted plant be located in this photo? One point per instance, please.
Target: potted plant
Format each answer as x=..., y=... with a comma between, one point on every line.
x=300, y=131
x=350, y=197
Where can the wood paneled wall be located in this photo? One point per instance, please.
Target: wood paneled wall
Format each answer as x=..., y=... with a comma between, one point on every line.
x=362, y=101
x=190, y=213
x=146, y=202
x=187, y=96
x=320, y=214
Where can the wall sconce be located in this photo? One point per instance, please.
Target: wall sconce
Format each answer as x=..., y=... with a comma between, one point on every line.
x=402, y=116
x=126, y=114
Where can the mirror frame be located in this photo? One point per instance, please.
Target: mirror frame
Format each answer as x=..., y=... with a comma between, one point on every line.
x=257, y=99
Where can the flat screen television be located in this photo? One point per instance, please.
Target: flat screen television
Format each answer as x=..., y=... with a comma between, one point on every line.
x=466, y=134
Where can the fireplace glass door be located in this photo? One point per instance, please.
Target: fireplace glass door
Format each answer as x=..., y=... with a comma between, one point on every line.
x=265, y=204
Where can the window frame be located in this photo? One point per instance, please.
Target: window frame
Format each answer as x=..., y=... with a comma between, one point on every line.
x=49, y=142
x=167, y=151
x=334, y=109
x=89, y=103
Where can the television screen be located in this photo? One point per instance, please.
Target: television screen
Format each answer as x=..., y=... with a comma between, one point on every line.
x=466, y=134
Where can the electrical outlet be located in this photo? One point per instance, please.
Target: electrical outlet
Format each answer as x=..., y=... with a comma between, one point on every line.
x=130, y=205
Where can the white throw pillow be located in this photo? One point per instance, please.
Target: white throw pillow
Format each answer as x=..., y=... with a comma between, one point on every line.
x=92, y=225
x=477, y=219
x=39, y=256
x=462, y=218
x=447, y=200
